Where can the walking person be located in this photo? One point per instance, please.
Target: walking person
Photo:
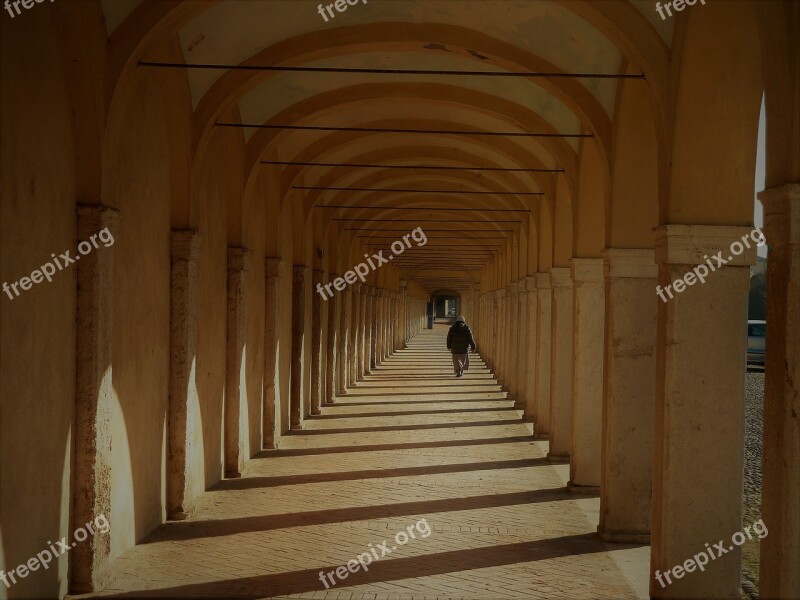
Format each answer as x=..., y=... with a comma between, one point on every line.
x=459, y=341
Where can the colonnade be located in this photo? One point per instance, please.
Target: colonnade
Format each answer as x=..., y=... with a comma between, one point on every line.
x=645, y=399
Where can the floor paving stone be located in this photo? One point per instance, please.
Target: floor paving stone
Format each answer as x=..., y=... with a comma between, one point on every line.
x=411, y=442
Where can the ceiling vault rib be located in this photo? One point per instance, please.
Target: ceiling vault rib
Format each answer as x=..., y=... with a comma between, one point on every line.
x=432, y=167
x=395, y=130
x=412, y=191
x=353, y=219
x=357, y=207
x=297, y=69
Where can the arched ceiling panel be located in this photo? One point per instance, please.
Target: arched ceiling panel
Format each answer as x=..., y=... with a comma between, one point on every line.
x=116, y=11
x=283, y=90
x=234, y=30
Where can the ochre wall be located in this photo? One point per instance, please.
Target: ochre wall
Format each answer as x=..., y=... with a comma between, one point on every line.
x=37, y=346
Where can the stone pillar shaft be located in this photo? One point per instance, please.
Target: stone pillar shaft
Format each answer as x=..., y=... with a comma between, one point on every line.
x=629, y=395
x=182, y=417
x=780, y=493
x=272, y=426
x=297, y=398
x=699, y=424
x=587, y=381
x=562, y=365
x=344, y=341
x=235, y=398
x=543, y=333
x=94, y=396
x=318, y=314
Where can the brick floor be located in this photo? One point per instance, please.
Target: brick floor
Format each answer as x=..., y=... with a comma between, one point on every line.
x=410, y=443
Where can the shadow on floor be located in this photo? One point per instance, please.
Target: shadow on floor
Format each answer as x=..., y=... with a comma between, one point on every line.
x=186, y=530
x=387, y=569
x=258, y=482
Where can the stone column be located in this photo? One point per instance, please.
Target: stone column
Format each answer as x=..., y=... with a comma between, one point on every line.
x=501, y=337
x=297, y=400
x=364, y=332
x=629, y=395
x=562, y=365
x=373, y=328
x=272, y=425
x=385, y=324
x=332, y=355
x=521, y=329
x=235, y=396
x=543, y=358
x=346, y=305
x=699, y=424
x=183, y=417
x=368, y=317
x=780, y=496
x=512, y=305
x=355, y=337
x=531, y=311
x=94, y=396
x=587, y=374
x=318, y=305
x=402, y=333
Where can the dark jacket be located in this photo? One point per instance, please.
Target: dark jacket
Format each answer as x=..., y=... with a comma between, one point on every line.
x=459, y=338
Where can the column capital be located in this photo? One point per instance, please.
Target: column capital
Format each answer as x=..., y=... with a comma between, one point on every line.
x=637, y=263
x=273, y=266
x=186, y=244
x=239, y=258
x=543, y=281
x=318, y=276
x=694, y=244
x=522, y=284
x=781, y=207
x=501, y=293
x=512, y=288
x=530, y=282
x=587, y=270
x=561, y=277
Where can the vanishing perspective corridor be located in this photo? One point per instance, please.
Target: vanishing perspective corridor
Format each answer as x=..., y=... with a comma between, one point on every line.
x=234, y=234
x=411, y=442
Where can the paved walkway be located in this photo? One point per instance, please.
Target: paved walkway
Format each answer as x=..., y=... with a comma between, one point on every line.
x=411, y=443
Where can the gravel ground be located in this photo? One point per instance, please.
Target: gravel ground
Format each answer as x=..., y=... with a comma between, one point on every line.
x=754, y=399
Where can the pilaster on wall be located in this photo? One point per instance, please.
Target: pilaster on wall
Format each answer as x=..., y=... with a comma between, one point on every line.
x=701, y=347
x=94, y=396
x=587, y=380
x=235, y=398
x=562, y=365
x=272, y=426
x=183, y=419
x=355, y=332
x=629, y=395
x=780, y=497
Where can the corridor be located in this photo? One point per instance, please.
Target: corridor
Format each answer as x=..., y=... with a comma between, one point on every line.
x=411, y=442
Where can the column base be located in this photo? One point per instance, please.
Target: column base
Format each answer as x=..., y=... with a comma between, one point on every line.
x=513, y=398
x=342, y=393
x=316, y=413
x=558, y=459
x=638, y=536
x=296, y=427
x=180, y=514
x=233, y=474
x=582, y=489
x=269, y=446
